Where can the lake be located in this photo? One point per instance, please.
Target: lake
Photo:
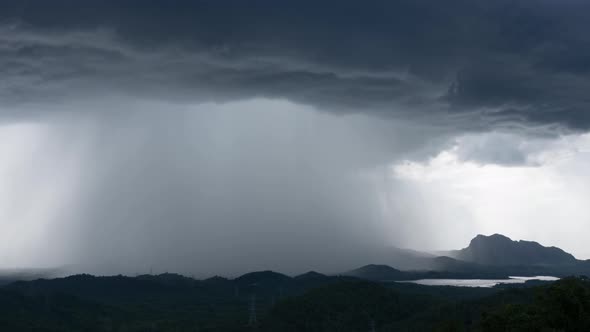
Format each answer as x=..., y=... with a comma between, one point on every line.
x=478, y=282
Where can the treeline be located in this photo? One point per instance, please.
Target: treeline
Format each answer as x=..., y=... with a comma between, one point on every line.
x=360, y=306
x=267, y=301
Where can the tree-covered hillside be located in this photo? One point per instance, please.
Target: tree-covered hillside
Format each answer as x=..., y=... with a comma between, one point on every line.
x=269, y=301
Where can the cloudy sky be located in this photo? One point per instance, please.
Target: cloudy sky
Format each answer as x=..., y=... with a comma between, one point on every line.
x=210, y=137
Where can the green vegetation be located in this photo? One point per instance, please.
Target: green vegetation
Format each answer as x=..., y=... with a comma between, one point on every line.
x=563, y=306
x=311, y=302
x=358, y=306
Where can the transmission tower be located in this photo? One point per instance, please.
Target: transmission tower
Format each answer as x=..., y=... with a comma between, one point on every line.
x=252, y=320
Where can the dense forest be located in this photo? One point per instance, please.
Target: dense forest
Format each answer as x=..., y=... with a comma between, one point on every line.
x=268, y=301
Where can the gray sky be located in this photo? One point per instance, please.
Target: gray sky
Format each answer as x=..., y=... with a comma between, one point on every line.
x=222, y=137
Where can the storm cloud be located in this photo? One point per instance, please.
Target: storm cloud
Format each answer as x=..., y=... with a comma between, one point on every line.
x=226, y=136
x=475, y=64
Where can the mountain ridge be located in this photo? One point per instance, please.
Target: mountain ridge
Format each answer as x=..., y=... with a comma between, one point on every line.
x=486, y=256
x=500, y=250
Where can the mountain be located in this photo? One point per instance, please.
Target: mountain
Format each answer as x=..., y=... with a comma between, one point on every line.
x=449, y=264
x=499, y=250
x=377, y=273
x=311, y=275
x=403, y=259
x=8, y=276
x=263, y=278
x=494, y=256
x=170, y=279
x=93, y=287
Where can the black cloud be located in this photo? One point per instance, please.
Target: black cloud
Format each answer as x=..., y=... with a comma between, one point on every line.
x=488, y=62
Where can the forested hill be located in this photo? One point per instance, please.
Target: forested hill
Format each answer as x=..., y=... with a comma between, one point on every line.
x=269, y=301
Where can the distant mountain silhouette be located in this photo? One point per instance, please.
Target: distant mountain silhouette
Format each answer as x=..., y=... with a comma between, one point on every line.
x=495, y=256
x=486, y=257
x=311, y=275
x=216, y=280
x=402, y=259
x=170, y=279
x=445, y=263
x=8, y=276
x=377, y=272
x=499, y=250
x=262, y=278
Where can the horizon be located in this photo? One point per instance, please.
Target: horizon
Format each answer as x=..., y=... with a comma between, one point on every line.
x=67, y=271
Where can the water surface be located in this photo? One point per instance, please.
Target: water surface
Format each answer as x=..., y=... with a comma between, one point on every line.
x=478, y=282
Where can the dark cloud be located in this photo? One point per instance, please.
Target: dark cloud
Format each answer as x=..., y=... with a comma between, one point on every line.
x=487, y=62
x=195, y=148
